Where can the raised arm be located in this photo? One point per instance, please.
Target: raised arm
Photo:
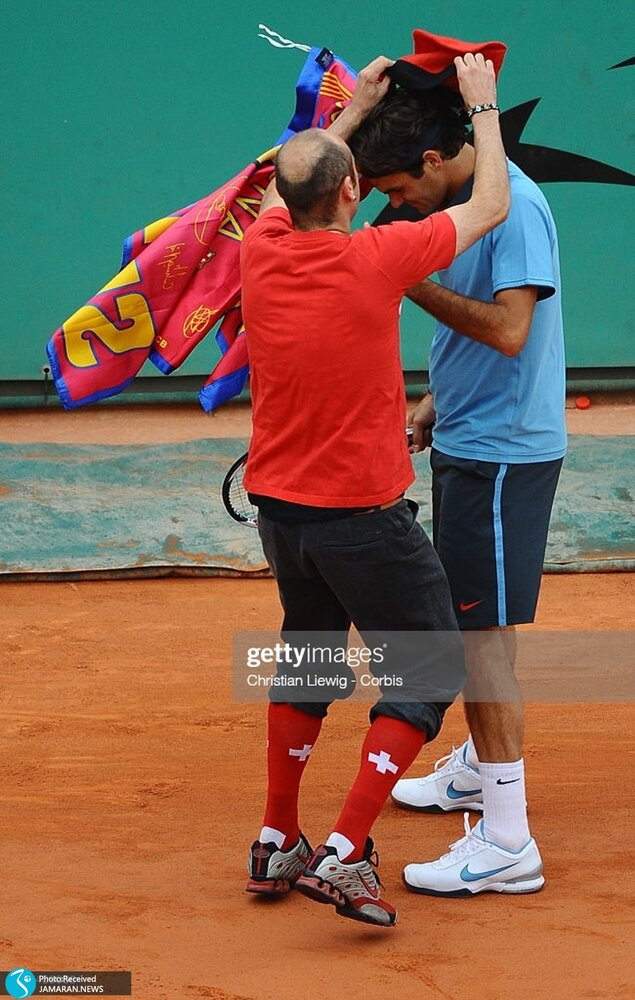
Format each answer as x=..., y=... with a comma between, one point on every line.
x=489, y=204
x=372, y=85
x=271, y=198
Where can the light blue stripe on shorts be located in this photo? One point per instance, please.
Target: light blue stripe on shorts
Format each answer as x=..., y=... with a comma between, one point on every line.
x=499, y=547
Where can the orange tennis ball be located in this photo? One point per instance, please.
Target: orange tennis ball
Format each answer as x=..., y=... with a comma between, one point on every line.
x=582, y=402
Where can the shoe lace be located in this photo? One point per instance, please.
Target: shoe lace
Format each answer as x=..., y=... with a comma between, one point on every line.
x=466, y=845
x=373, y=860
x=449, y=758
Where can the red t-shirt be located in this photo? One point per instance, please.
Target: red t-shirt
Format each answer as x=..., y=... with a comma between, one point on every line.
x=321, y=312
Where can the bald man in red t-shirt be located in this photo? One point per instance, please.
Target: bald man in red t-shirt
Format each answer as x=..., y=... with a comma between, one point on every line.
x=328, y=466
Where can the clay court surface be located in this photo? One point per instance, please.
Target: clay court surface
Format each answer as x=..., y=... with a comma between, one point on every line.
x=132, y=787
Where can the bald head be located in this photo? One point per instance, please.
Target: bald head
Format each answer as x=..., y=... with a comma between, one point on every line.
x=310, y=169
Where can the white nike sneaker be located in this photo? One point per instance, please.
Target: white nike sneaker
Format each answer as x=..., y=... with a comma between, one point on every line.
x=453, y=784
x=474, y=865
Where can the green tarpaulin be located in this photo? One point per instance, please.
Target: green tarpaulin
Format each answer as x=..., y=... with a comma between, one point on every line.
x=156, y=510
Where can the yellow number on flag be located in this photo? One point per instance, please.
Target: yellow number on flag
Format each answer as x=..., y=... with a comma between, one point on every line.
x=90, y=322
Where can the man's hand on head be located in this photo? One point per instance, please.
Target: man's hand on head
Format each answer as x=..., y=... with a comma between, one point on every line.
x=271, y=198
x=372, y=85
x=477, y=79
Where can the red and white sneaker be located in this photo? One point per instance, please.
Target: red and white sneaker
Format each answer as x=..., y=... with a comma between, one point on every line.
x=273, y=872
x=353, y=889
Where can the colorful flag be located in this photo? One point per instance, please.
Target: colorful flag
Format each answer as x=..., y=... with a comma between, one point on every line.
x=180, y=275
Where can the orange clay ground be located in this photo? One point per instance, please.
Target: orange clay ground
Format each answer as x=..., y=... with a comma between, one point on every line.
x=132, y=786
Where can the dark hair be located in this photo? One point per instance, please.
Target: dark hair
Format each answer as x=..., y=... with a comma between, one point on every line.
x=401, y=127
x=312, y=198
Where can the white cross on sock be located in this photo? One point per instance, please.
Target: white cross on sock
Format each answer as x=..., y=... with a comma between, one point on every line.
x=302, y=754
x=383, y=762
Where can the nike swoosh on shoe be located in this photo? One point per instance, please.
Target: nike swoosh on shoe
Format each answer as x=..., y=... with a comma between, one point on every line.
x=455, y=793
x=468, y=876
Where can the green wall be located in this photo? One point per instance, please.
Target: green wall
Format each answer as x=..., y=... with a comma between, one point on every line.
x=117, y=113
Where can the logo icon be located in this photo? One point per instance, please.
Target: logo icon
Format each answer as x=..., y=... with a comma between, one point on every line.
x=466, y=606
x=468, y=876
x=455, y=793
x=198, y=321
x=20, y=983
x=510, y=782
x=372, y=890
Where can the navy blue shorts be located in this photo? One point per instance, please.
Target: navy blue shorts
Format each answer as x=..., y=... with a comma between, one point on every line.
x=490, y=526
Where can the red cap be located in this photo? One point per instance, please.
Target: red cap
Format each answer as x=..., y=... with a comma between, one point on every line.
x=433, y=61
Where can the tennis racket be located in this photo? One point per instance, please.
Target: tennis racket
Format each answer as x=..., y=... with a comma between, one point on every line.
x=235, y=498
x=237, y=503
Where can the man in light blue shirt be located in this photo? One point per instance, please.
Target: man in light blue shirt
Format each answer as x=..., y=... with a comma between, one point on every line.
x=497, y=377
x=504, y=403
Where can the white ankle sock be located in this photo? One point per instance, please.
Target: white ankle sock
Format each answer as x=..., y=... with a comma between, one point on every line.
x=342, y=845
x=270, y=836
x=504, y=804
x=471, y=756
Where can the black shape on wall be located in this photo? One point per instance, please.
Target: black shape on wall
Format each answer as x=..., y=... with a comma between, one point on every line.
x=542, y=163
x=627, y=62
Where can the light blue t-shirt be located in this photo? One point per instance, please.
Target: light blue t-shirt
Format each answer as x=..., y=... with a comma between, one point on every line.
x=490, y=407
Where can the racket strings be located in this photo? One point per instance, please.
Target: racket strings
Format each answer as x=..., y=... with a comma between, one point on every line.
x=236, y=498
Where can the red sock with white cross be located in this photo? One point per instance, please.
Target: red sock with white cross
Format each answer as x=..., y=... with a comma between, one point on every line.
x=388, y=750
x=291, y=736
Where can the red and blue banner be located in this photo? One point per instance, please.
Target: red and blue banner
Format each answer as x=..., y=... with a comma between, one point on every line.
x=180, y=276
